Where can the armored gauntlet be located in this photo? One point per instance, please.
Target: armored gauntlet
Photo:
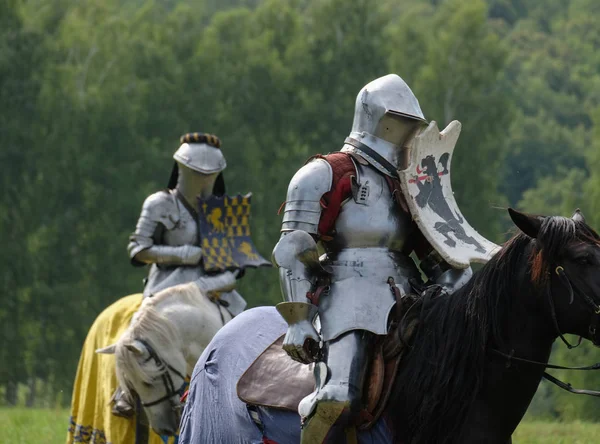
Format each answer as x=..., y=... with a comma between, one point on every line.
x=222, y=282
x=301, y=340
x=297, y=258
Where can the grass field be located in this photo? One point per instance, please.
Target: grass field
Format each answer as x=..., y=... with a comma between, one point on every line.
x=537, y=432
x=27, y=426
x=33, y=426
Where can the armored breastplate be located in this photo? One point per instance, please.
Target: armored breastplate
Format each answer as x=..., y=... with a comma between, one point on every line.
x=185, y=231
x=371, y=219
x=367, y=250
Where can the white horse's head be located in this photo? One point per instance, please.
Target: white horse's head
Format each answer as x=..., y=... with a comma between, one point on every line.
x=150, y=361
x=161, y=346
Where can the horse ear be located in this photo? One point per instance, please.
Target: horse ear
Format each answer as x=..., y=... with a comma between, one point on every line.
x=110, y=350
x=135, y=347
x=578, y=216
x=528, y=224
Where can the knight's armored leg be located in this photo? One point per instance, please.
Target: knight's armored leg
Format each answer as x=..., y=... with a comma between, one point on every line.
x=334, y=405
x=122, y=404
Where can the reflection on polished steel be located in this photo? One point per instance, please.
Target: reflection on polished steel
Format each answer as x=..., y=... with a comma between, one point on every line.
x=302, y=206
x=377, y=221
x=200, y=157
x=359, y=296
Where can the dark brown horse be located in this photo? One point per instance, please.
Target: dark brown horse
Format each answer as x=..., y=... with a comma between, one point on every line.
x=458, y=383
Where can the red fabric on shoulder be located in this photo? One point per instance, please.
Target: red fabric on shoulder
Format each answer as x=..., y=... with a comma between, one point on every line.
x=343, y=169
x=341, y=188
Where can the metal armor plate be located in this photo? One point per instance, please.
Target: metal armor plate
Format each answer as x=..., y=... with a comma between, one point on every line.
x=371, y=232
x=178, y=228
x=302, y=203
x=185, y=232
x=360, y=297
x=426, y=185
x=371, y=218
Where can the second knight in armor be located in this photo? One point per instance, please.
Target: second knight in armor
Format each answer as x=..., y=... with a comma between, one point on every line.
x=349, y=206
x=167, y=234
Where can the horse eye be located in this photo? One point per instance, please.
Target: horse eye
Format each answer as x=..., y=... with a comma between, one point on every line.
x=146, y=384
x=584, y=260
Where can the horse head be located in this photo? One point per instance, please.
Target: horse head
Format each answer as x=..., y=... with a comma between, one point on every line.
x=564, y=260
x=150, y=363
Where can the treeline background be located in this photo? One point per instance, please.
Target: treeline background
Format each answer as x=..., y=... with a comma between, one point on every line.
x=94, y=95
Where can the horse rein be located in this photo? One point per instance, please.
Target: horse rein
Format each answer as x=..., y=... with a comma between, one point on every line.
x=167, y=380
x=560, y=272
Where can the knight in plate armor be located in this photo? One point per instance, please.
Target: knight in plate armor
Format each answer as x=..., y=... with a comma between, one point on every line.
x=167, y=235
x=350, y=206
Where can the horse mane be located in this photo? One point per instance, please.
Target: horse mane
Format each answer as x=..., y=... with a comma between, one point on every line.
x=155, y=329
x=444, y=369
x=187, y=293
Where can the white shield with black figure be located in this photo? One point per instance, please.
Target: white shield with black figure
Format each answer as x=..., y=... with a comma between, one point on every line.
x=427, y=187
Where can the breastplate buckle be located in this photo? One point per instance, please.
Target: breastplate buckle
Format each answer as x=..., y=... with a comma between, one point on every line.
x=360, y=192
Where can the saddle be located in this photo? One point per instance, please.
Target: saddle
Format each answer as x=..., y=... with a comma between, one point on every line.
x=275, y=380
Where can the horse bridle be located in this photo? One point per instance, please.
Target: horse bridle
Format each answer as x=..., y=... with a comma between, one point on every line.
x=562, y=275
x=167, y=380
x=593, y=329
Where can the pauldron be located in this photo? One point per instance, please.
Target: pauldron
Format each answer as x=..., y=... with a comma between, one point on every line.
x=158, y=208
x=303, y=202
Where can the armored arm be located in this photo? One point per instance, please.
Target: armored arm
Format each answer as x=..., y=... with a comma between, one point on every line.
x=297, y=258
x=167, y=255
x=302, y=213
x=159, y=211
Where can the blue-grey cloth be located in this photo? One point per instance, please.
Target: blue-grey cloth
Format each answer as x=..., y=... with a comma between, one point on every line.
x=213, y=412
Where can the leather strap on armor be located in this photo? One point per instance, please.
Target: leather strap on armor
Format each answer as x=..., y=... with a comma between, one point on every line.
x=315, y=296
x=394, y=186
x=373, y=154
x=188, y=207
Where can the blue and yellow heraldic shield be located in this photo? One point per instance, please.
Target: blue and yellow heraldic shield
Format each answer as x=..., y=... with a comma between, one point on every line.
x=226, y=242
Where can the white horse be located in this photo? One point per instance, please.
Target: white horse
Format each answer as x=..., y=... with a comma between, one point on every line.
x=161, y=346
